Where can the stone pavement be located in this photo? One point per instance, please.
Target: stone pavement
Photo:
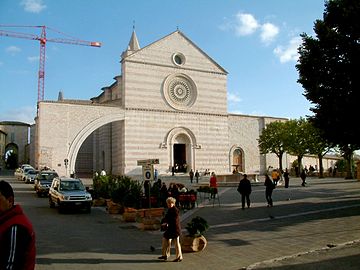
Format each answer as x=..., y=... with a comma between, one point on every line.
x=324, y=214
x=312, y=227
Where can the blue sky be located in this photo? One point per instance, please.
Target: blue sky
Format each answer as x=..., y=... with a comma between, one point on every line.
x=255, y=41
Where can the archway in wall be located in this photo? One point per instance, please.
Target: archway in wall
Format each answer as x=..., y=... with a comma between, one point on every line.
x=100, y=151
x=237, y=160
x=11, y=156
x=181, y=153
x=93, y=127
x=180, y=143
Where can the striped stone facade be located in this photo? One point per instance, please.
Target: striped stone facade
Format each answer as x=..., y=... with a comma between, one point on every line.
x=168, y=103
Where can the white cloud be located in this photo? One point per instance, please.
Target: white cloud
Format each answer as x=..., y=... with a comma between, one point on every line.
x=288, y=53
x=33, y=58
x=236, y=111
x=33, y=6
x=22, y=114
x=233, y=98
x=246, y=24
x=13, y=50
x=269, y=32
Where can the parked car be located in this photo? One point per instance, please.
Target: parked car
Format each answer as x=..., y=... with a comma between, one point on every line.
x=24, y=172
x=19, y=172
x=30, y=176
x=43, y=182
x=69, y=193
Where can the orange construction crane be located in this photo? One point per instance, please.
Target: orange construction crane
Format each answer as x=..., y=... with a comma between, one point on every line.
x=43, y=40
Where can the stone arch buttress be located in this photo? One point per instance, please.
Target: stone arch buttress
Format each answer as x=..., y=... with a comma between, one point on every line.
x=81, y=136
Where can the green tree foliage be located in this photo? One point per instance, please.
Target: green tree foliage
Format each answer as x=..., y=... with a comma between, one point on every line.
x=273, y=139
x=318, y=146
x=328, y=69
x=298, y=138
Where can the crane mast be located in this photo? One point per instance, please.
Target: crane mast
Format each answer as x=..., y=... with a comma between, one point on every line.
x=43, y=40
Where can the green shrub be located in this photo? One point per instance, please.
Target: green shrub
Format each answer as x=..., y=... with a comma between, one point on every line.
x=120, y=189
x=197, y=226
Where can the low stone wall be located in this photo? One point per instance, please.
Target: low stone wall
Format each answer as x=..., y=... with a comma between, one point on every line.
x=235, y=178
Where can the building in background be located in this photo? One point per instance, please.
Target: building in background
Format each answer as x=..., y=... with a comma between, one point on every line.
x=169, y=103
x=14, y=140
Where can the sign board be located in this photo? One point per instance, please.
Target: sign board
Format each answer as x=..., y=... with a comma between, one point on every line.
x=148, y=172
x=147, y=161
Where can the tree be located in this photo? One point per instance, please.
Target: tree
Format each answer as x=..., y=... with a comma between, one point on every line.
x=318, y=146
x=273, y=139
x=298, y=139
x=329, y=72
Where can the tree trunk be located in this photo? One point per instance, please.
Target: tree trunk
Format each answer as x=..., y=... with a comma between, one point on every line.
x=280, y=161
x=348, y=156
x=321, y=167
x=299, y=159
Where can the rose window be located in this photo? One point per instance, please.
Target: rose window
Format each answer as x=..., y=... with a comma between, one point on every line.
x=179, y=91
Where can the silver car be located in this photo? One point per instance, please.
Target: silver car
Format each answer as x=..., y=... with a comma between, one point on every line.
x=30, y=176
x=69, y=193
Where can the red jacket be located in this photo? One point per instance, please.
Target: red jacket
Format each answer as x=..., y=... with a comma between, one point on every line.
x=17, y=238
x=213, y=182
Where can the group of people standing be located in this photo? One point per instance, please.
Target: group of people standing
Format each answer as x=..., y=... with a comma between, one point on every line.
x=244, y=187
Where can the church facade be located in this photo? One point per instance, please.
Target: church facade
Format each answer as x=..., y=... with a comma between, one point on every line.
x=168, y=103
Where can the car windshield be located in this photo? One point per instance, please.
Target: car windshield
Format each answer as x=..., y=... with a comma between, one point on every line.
x=47, y=176
x=32, y=172
x=71, y=185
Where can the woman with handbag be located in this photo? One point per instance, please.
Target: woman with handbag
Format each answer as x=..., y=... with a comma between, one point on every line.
x=172, y=231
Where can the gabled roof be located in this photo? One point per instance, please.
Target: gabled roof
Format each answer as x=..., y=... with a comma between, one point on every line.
x=185, y=37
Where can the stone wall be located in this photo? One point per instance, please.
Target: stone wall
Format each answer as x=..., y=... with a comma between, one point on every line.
x=151, y=134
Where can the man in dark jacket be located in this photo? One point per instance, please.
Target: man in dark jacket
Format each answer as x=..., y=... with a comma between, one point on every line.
x=17, y=237
x=244, y=189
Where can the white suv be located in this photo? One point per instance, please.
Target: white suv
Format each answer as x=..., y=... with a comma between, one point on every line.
x=69, y=193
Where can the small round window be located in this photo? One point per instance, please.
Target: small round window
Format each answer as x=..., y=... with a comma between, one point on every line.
x=179, y=59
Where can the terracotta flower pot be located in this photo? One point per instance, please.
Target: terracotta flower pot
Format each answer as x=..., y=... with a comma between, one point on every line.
x=193, y=243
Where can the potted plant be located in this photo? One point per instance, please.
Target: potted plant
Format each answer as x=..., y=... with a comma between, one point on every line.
x=195, y=241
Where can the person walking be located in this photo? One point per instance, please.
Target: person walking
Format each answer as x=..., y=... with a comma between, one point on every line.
x=303, y=177
x=172, y=231
x=213, y=186
x=275, y=176
x=191, y=174
x=287, y=180
x=244, y=189
x=269, y=187
x=17, y=236
x=197, y=175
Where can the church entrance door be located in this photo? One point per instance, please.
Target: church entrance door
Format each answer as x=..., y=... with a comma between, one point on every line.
x=180, y=157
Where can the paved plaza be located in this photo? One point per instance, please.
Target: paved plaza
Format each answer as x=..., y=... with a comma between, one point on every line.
x=312, y=227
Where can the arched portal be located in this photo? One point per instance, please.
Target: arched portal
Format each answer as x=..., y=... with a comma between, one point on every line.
x=181, y=145
x=11, y=156
x=236, y=159
x=84, y=134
